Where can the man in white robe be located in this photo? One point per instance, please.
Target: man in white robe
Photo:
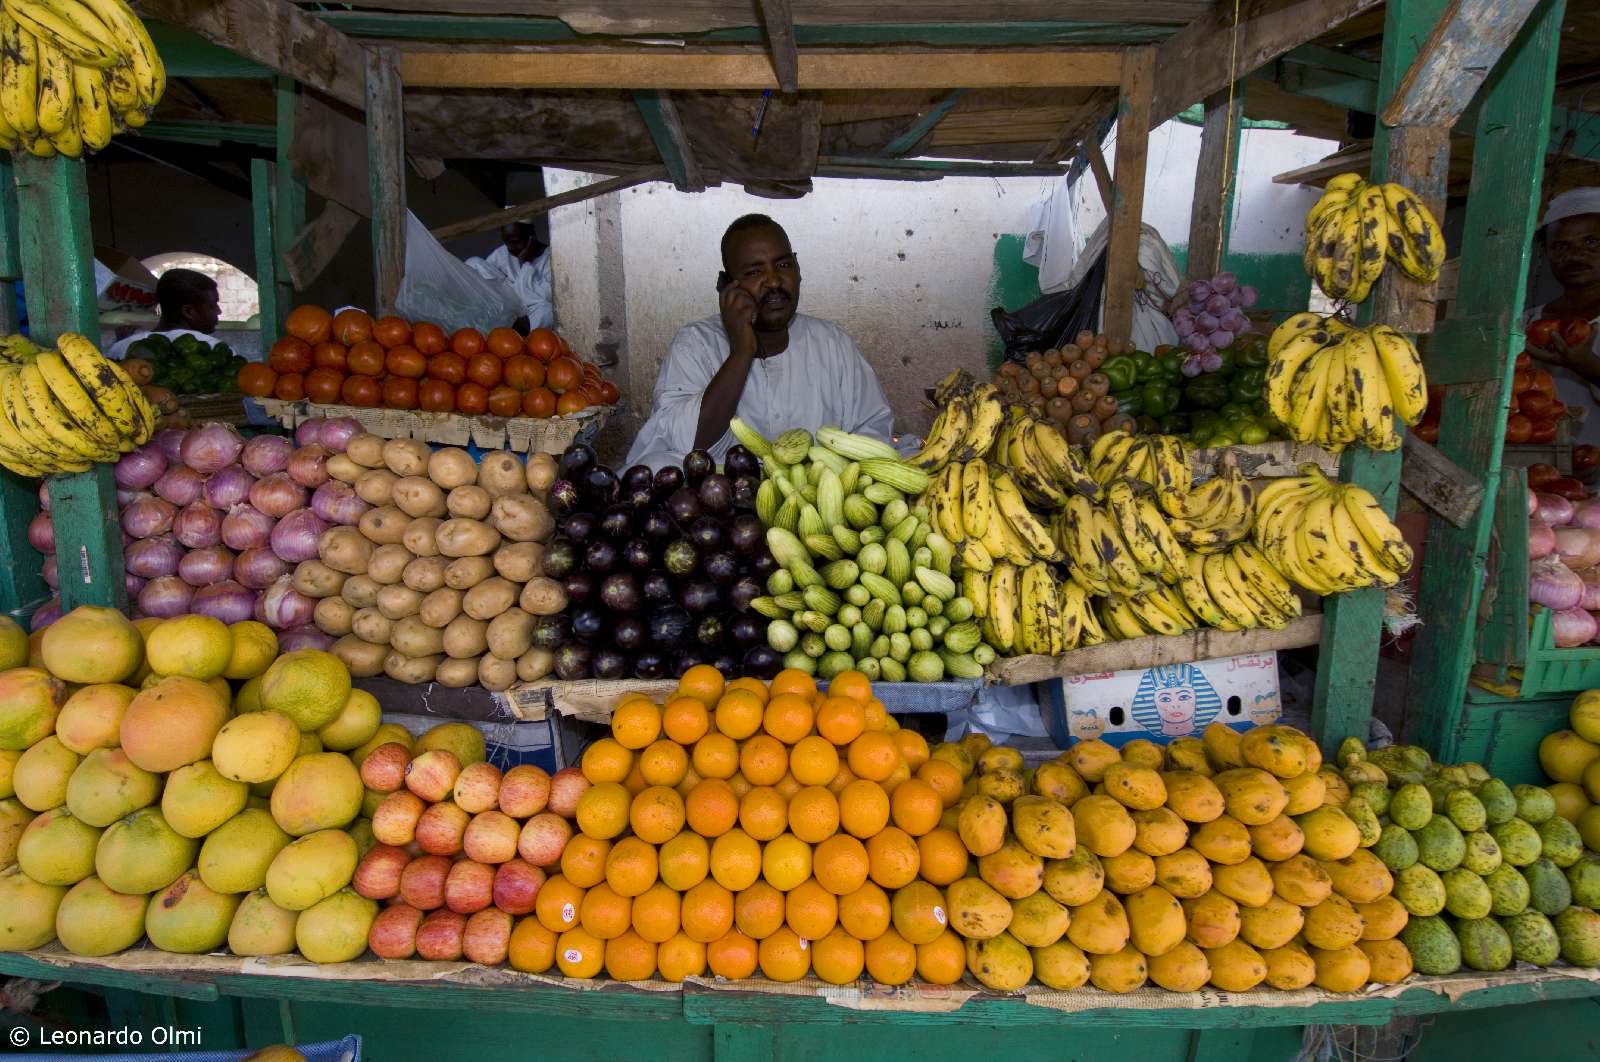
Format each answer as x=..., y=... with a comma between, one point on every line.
x=759, y=359
x=524, y=263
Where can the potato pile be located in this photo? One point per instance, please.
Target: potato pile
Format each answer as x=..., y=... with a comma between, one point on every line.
x=1233, y=860
x=441, y=579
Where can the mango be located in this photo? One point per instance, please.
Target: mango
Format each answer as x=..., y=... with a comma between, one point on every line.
x=1306, y=792
x=1302, y=881
x=1368, y=828
x=92, y=717
x=1134, y=787
x=1440, y=845
x=1560, y=842
x=198, y=799
x=1335, y=790
x=1129, y=872
x=1341, y=969
x=999, y=962
x=256, y=746
x=1277, y=840
x=1388, y=961
x=1043, y=826
x=142, y=853
x=1484, y=945
x=43, y=773
x=1062, y=966
x=1499, y=804
x=1509, y=891
x=1194, y=797
x=236, y=855
x=1579, y=930
x=1222, y=745
x=976, y=910
x=1104, y=825
x=1188, y=754
x=1003, y=784
x=14, y=818
x=1411, y=806
x=1330, y=833
x=1076, y=880
x=1247, y=883
x=107, y=786
x=27, y=910
x=1520, y=844
x=311, y=869
x=1272, y=925
x=320, y=791
x=463, y=739
x=188, y=918
x=1279, y=750
x=1533, y=938
x=335, y=929
x=982, y=825
x=1012, y=870
x=1251, y=795
x=1382, y=918
x=1584, y=877
x=1059, y=782
x=1236, y=967
x=1185, y=873
x=1155, y=920
x=1182, y=969
x=30, y=701
x=1121, y=971
x=172, y=723
x=1213, y=919
x=1482, y=853
x=1037, y=921
x=57, y=848
x=1534, y=803
x=1159, y=832
x=1091, y=758
x=261, y=927
x=355, y=724
x=1100, y=927
x=1396, y=847
x=93, y=920
x=1466, y=811
x=1333, y=924
x=1225, y=841
x=1549, y=891
x=1289, y=968
x=1465, y=894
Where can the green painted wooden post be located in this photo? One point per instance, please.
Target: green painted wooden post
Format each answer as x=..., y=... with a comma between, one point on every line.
x=272, y=311
x=289, y=196
x=58, y=274
x=1475, y=358
x=386, y=176
x=20, y=583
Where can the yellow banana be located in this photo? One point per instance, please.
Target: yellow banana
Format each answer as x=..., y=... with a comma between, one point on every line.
x=1284, y=368
x=1002, y=606
x=94, y=106
x=1260, y=608
x=58, y=104
x=1191, y=584
x=1268, y=582
x=1120, y=620
x=1152, y=617
x=95, y=373
x=19, y=77
x=1402, y=371
x=1291, y=327
x=1121, y=571
x=1349, y=538
x=1414, y=240
x=138, y=50
x=1343, y=428
x=974, y=557
x=1225, y=595
x=1368, y=394
x=1065, y=463
x=983, y=425
x=1008, y=500
x=975, y=588
x=74, y=398
x=976, y=499
x=949, y=429
x=57, y=23
x=1310, y=399
x=947, y=490
x=1376, y=527
x=1074, y=532
x=1146, y=552
x=1155, y=526
x=144, y=412
x=1374, y=235
x=1073, y=603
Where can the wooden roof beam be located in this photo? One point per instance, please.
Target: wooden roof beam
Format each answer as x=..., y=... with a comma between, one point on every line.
x=777, y=20
x=666, y=127
x=523, y=212
x=1464, y=46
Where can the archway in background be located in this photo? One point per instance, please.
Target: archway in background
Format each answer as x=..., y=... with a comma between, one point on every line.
x=238, y=294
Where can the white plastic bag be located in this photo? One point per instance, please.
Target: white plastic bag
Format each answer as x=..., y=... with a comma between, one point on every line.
x=1151, y=325
x=441, y=288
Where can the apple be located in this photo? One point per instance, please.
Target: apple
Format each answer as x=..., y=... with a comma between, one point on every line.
x=487, y=937
x=516, y=886
x=524, y=791
x=491, y=837
x=384, y=769
x=566, y=786
x=439, y=936
x=422, y=882
x=432, y=775
x=469, y=886
x=394, y=932
x=395, y=820
x=440, y=829
x=478, y=787
x=543, y=838
x=378, y=875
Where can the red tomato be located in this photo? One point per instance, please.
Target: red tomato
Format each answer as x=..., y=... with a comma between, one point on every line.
x=429, y=338
x=524, y=372
x=1576, y=332
x=399, y=392
x=1427, y=432
x=361, y=391
x=291, y=387
x=539, y=402
x=1543, y=430
x=436, y=396
x=1585, y=456
x=505, y=401
x=472, y=398
x=330, y=355
x=392, y=331
x=1567, y=487
x=323, y=385
x=572, y=402
x=1540, y=331
x=290, y=355
x=467, y=342
x=406, y=360
x=1543, y=381
x=1537, y=405
x=365, y=358
x=544, y=344
x=351, y=326
x=1524, y=361
x=449, y=367
x=504, y=343
x=1518, y=428
x=609, y=393
x=1539, y=475
x=1521, y=380
x=483, y=370
x=257, y=380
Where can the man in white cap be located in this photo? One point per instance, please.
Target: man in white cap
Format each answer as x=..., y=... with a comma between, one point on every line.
x=1570, y=235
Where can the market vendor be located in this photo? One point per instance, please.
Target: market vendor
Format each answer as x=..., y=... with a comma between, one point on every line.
x=758, y=358
x=522, y=262
x=1570, y=235
x=189, y=307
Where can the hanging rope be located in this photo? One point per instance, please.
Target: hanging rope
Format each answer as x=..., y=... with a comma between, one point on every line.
x=1228, y=166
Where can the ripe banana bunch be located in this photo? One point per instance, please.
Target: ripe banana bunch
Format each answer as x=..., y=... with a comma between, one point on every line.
x=63, y=409
x=1328, y=537
x=1152, y=610
x=1215, y=515
x=1162, y=461
x=981, y=510
x=1028, y=609
x=1117, y=547
x=1335, y=385
x=1356, y=227
x=964, y=429
x=72, y=74
x=1238, y=590
x=1039, y=458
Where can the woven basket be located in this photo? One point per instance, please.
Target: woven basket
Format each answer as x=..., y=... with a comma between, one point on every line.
x=545, y=435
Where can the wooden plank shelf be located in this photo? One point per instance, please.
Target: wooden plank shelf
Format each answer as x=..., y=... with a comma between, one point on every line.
x=550, y=435
x=471, y=703
x=1269, y=460
x=592, y=700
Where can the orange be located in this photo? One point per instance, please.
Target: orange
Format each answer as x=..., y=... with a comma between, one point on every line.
x=632, y=866
x=841, y=719
x=793, y=680
x=735, y=860
x=636, y=722
x=891, y=959
x=763, y=760
x=865, y=913
x=814, y=760
x=656, y=814
x=732, y=955
x=814, y=814
x=684, y=861
x=943, y=856
x=603, y=810
x=810, y=910
x=852, y=684
x=630, y=957
x=583, y=860
x=663, y=763
x=838, y=957
x=841, y=864
x=685, y=720
x=603, y=913
x=702, y=682
x=788, y=717
x=863, y=808
x=919, y=913
x=901, y=773
x=716, y=756
x=877, y=715
x=579, y=953
x=686, y=786
x=739, y=784
x=707, y=912
x=840, y=780
x=893, y=857
x=656, y=913
x=788, y=786
x=635, y=782
x=758, y=910
x=913, y=747
x=739, y=714
x=944, y=777
x=786, y=861
x=915, y=805
x=943, y=961
x=606, y=761
x=763, y=813
x=711, y=808
x=681, y=957
x=784, y=956
x=557, y=904
x=873, y=756
x=532, y=948
x=752, y=685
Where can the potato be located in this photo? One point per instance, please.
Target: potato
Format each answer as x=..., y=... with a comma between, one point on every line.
x=420, y=536
x=452, y=467
x=496, y=674
x=363, y=658
x=315, y=579
x=417, y=496
x=522, y=518
x=511, y=634
x=519, y=561
x=500, y=472
x=360, y=590
x=466, y=638
x=406, y=457
x=376, y=486
x=440, y=607
x=413, y=669
x=333, y=616
x=345, y=549
x=365, y=449
x=457, y=673
x=425, y=574
x=541, y=472
x=535, y=664
x=414, y=638
x=384, y=525
x=543, y=596
x=398, y=602
x=389, y=562
x=467, y=538
x=470, y=502
x=370, y=625
x=464, y=573
x=340, y=467
x=489, y=598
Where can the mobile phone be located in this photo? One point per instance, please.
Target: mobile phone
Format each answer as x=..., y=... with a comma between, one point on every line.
x=723, y=280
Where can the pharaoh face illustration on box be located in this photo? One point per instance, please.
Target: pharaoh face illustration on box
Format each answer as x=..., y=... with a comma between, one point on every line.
x=1175, y=700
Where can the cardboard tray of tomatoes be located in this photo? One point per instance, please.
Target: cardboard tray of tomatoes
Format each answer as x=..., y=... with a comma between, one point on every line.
x=537, y=435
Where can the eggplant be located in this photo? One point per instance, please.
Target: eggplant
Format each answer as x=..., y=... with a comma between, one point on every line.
x=747, y=630
x=684, y=506
x=726, y=663
x=715, y=493
x=651, y=664
x=658, y=526
x=575, y=461
x=706, y=532
x=741, y=462
x=581, y=587
x=744, y=492
x=638, y=477
x=617, y=523
x=579, y=526
x=699, y=596
x=668, y=480
x=609, y=664
x=588, y=626
x=709, y=631
x=551, y=632
x=640, y=501
x=628, y=633
x=572, y=661
x=564, y=497
x=745, y=533
x=560, y=557
x=684, y=659
x=638, y=555
x=763, y=565
x=746, y=590
x=680, y=557
x=762, y=662
x=620, y=592
x=657, y=587
x=721, y=567
x=697, y=465
x=669, y=626
x=600, y=485
x=601, y=556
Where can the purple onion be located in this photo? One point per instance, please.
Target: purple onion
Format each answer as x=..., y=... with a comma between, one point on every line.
x=165, y=597
x=303, y=638
x=148, y=517
x=1248, y=295
x=1196, y=343
x=337, y=432
x=151, y=558
x=1212, y=361
x=44, y=495
x=202, y=567
x=266, y=454
x=1206, y=322
x=45, y=614
x=42, y=533
x=1218, y=305
x=170, y=443
x=245, y=526
x=338, y=503
x=198, y=526
x=1192, y=366
x=180, y=485
x=308, y=466
x=1235, y=321
x=48, y=572
x=308, y=431
x=126, y=498
x=1199, y=291
x=277, y=495
x=295, y=536
x=127, y=539
x=1224, y=283
x=282, y=606
x=211, y=447
x=139, y=469
x=133, y=584
x=1221, y=339
x=226, y=601
x=259, y=568
x=228, y=487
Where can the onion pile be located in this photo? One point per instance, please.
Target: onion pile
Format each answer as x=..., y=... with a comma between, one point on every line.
x=1211, y=321
x=212, y=523
x=1564, y=569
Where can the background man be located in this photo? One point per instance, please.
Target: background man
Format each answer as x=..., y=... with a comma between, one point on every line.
x=189, y=307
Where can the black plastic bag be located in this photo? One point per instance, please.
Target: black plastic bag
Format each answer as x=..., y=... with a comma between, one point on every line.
x=1052, y=320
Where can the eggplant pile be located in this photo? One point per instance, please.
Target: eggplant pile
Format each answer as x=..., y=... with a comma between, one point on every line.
x=659, y=569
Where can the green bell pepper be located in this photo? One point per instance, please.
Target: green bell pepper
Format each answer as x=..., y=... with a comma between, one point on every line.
x=1121, y=371
x=1206, y=392
x=1145, y=365
x=1228, y=358
x=1159, y=399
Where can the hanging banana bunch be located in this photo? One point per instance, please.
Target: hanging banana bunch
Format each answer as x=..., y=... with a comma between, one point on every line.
x=1356, y=227
x=1334, y=385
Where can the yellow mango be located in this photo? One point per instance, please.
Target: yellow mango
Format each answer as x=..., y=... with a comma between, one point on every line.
x=1155, y=920
x=1360, y=877
x=1333, y=924
x=1188, y=754
x=1091, y=758
x=1306, y=791
x=1252, y=796
x=1341, y=969
x=1012, y=870
x=1248, y=883
x=1000, y=962
x=1289, y=968
x=1302, y=881
x=1184, y=873
x=1279, y=750
x=1100, y=927
x=1389, y=961
x=1038, y=921
x=1129, y=872
x=1058, y=781
x=1329, y=833
x=1222, y=747
x=1062, y=966
x=1159, y=831
x=1214, y=919
x=1272, y=925
x=1139, y=788
x=1104, y=825
x=1225, y=841
x=1043, y=826
x=1383, y=918
x=1121, y=971
x=1236, y=967
x=1183, y=969
x=982, y=824
x=975, y=909
x=1193, y=796
x=1076, y=880
x=1277, y=840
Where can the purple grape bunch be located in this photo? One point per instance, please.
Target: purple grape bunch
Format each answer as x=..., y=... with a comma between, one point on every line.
x=1212, y=320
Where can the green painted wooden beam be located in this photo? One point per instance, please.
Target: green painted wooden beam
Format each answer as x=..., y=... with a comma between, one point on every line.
x=665, y=130
x=20, y=583
x=288, y=196
x=272, y=312
x=187, y=54
x=912, y=135
x=386, y=176
x=208, y=133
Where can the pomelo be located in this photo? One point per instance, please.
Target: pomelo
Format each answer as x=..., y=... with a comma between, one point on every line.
x=92, y=644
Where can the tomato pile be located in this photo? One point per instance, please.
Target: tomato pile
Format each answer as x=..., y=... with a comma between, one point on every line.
x=1535, y=407
x=351, y=359
x=1547, y=479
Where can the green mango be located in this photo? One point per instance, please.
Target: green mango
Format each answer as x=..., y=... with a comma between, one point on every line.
x=1484, y=945
x=1509, y=889
x=1498, y=803
x=1560, y=841
x=1533, y=938
x=1396, y=847
x=1579, y=930
x=1520, y=844
x=1483, y=854
x=1439, y=844
x=1376, y=794
x=1419, y=890
x=1534, y=803
x=1465, y=894
x=1584, y=877
x=1465, y=810
x=1434, y=948
x=1411, y=806
x=1549, y=892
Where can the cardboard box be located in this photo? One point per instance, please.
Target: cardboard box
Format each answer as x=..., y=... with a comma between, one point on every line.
x=1164, y=702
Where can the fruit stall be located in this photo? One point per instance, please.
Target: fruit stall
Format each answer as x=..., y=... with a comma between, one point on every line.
x=231, y=803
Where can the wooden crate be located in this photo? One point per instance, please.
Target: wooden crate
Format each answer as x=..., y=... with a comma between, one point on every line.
x=550, y=435
x=227, y=408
